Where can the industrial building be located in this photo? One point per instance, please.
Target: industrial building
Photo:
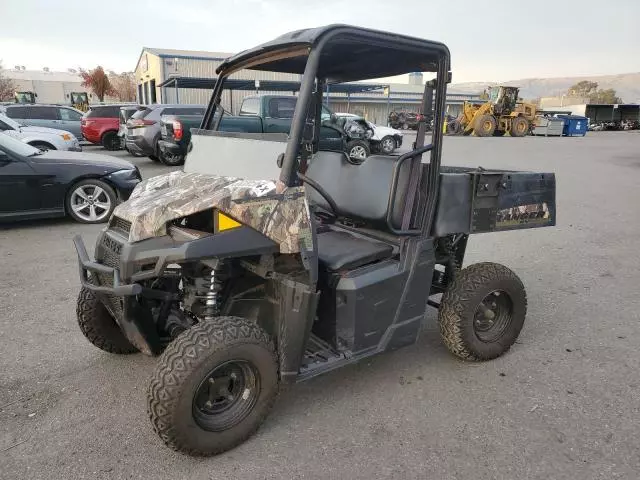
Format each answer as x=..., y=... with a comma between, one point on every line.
x=187, y=77
x=50, y=87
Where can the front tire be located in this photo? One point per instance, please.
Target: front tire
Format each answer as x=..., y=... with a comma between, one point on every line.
x=98, y=326
x=42, y=146
x=482, y=311
x=213, y=386
x=91, y=201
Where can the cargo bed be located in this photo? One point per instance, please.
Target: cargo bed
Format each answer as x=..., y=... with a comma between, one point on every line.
x=477, y=201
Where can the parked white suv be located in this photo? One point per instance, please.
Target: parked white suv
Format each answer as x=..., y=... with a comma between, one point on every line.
x=384, y=139
x=40, y=137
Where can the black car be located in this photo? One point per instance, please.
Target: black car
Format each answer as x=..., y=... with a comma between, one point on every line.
x=38, y=184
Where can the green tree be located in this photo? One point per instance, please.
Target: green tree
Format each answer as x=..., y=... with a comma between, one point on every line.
x=607, y=96
x=585, y=88
x=97, y=81
x=7, y=88
x=590, y=90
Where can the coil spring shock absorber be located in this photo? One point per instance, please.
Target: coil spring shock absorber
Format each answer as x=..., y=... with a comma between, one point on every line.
x=213, y=284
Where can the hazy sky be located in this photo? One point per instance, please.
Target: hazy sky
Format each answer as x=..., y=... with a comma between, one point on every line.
x=488, y=42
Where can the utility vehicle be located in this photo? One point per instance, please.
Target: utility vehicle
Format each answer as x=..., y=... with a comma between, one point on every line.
x=241, y=283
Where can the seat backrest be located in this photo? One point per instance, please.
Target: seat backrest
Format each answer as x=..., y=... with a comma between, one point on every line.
x=361, y=192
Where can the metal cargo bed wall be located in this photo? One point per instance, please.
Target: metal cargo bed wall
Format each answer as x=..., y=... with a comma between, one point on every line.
x=493, y=200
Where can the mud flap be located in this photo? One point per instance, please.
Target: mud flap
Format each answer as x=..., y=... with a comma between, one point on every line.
x=295, y=313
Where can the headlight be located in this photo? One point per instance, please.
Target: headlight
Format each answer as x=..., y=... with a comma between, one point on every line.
x=66, y=136
x=133, y=174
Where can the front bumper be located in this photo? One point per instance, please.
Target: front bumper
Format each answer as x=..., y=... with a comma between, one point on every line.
x=74, y=146
x=87, y=266
x=135, y=321
x=124, y=186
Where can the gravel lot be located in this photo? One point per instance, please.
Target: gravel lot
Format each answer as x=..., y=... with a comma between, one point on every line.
x=563, y=404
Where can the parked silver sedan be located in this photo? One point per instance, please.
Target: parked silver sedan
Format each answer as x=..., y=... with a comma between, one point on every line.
x=40, y=137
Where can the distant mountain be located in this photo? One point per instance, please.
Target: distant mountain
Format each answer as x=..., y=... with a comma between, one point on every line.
x=627, y=86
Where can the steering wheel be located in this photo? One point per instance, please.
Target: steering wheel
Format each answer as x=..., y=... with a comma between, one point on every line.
x=323, y=193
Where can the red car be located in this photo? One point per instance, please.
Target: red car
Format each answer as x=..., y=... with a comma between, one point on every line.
x=100, y=125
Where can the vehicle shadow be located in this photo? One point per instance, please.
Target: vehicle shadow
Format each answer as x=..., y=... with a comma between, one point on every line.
x=43, y=223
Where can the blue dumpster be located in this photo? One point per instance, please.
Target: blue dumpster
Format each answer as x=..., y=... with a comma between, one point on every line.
x=574, y=125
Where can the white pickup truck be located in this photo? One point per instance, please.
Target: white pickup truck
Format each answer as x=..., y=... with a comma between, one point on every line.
x=40, y=137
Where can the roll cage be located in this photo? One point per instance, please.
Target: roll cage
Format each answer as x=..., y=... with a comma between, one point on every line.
x=337, y=54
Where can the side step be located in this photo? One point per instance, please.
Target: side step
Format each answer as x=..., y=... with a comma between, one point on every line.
x=319, y=357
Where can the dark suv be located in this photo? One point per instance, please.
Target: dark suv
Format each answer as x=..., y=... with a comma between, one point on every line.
x=100, y=125
x=143, y=128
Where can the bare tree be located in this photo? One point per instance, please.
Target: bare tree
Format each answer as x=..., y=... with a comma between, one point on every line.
x=124, y=86
x=7, y=88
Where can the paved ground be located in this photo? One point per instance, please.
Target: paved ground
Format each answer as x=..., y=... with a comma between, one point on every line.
x=563, y=404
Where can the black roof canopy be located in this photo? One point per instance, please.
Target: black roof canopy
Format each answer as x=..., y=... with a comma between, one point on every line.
x=348, y=54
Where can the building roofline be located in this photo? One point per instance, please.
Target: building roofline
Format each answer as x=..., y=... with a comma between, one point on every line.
x=189, y=57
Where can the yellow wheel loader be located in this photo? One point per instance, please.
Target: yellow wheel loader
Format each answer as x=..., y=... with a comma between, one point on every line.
x=501, y=114
x=79, y=100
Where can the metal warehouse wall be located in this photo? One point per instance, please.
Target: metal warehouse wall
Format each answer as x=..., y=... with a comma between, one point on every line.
x=206, y=68
x=231, y=100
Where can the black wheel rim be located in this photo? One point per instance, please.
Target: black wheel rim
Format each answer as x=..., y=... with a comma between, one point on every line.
x=226, y=395
x=492, y=316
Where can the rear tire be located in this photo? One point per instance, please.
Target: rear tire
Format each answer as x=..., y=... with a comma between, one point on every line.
x=172, y=160
x=193, y=401
x=388, y=145
x=111, y=141
x=482, y=311
x=98, y=326
x=485, y=126
x=358, y=151
x=519, y=127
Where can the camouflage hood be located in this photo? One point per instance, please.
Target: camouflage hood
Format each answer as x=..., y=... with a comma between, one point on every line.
x=284, y=218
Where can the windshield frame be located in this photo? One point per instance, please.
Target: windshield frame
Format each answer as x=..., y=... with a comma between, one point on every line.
x=13, y=146
x=424, y=55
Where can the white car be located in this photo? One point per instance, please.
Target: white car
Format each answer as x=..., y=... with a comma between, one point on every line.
x=384, y=140
x=40, y=137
